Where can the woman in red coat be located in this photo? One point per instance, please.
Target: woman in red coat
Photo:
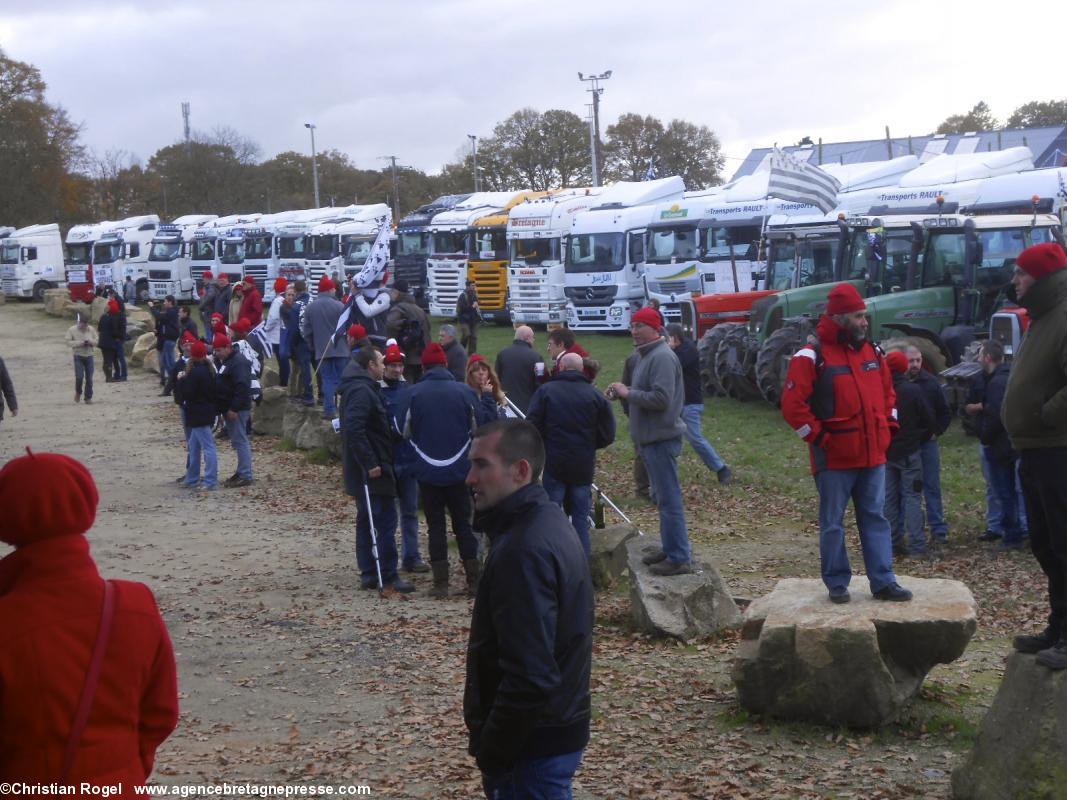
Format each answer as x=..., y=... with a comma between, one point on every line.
x=52, y=614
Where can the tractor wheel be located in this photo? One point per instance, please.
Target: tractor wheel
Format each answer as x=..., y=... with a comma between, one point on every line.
x=933, y=358
x=735, y=363
x=708, y=347
x=772, y=361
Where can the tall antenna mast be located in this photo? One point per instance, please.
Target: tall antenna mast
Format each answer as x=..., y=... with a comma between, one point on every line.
x=185, y=117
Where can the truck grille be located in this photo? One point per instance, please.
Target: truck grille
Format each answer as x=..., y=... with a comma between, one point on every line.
x=159, y=274
x=672, y=287
x=591, y=295
x=492, y=286
x=258, y=274
x=11, y=287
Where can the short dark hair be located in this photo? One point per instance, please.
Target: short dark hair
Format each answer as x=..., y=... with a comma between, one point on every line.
x=301, y=286
x=993, y=350
x=563, y=336
x=677, y=331
x=366, y=355
x=168, y=299
x=518, y=440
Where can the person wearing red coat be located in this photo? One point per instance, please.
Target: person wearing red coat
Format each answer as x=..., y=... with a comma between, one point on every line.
x=251, y=304
x=52, y=615
x=839, y=399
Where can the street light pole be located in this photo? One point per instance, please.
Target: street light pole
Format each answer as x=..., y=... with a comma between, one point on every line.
x=314, y=162
x=594, y=82
x=474, y=156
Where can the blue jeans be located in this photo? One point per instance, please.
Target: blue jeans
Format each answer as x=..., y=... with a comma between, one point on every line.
x=302, y=354
x=83, y=371
x=330, y=370
x=167, y=358
x=383, y=508
x=407, y=493
x=120, y=361
x=1002, y=479
x=866, y=488
x=237, y=430
x=201, y=442
x=903, y=502
x=691, y=416
x=577, y=501
x=661, y=461
x=546, y=778
x=930, y=453
x=994, y=514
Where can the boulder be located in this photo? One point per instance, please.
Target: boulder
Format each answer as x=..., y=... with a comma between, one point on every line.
x=857, y=664
x=269, y=376
x=1022, y=738
x=78, y=310
x=97, y=309
x=139, y=315
x=294, y=418
x=318, y=434
x=683, y=606
x=144, y=344
x=151, y=361
x=269, y=416
x=56, y=302
x=607, y=561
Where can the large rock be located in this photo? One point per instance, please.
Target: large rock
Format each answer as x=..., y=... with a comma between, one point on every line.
x=269, y=416
x=305, y=428
x=56, y=302
x=151, y=361
x=857, y=664
x=1022, y=741
x=139, y=315
x=97, y=309
x=683, y=606
x=145, y=344
x=607, y=561
x=269, y=376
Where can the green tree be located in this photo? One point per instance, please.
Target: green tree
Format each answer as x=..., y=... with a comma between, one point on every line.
x=631, y=142
x=680, y=148
x=979, y=118
x=1036, y=114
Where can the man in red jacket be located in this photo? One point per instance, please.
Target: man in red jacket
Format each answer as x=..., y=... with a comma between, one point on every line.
x=251, y=303
x=64, y=715
x=839, y=399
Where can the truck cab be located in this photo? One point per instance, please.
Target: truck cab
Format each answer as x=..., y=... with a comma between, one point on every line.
x=168, y=258
x=605, y=250
x=535, y=234
x=122, y=251
x=206, y=249
x=325, y=254
x=413, y=244
x=357, y=238
x=31, y=261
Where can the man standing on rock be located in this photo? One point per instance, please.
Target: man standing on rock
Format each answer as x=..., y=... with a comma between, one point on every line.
x=526, y=701
x=655, y=398
x=839, y=399
x=1035, y=415
x=234, y=396
x=516, y=366
x=81, y=338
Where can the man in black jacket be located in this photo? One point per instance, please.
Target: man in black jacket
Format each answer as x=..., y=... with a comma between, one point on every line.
x=111, y=330
x=930, y=450
x=693, y=409
x=195, y=391
x=574, y=420
x=469, y=317
x=903, y=469
x=168, y=330
x=516, y=366
x=367, y=458
x=234, y=395
x=7, y=392
x=526, y=701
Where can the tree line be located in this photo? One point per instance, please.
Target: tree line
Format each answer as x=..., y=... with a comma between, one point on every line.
x=1035, y=114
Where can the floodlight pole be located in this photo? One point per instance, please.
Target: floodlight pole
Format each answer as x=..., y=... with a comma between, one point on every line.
x=594, y=82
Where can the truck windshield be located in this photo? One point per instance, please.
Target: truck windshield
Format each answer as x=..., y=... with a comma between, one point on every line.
x=945, y=254
x=487, y=245
x=79, y=253
x=781, y=263
x=322, y=247
x=716, y=242
x=866, y=259
x=107, y=253
x=203, y=250
x=589, y=252
x=232, y=252
x=292, y=247
x=448, y=242
x=677, y=244
x=9, y=253
x=535, y=251
x=258, y=247
x=357, y=251
x=413, y=244
x=817, y=258
x=165, y=251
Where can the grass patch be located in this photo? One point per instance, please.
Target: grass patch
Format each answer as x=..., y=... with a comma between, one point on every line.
x=286, y=445
x=319, y=455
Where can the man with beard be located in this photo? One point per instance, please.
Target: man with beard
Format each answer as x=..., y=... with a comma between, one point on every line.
x=839, y=399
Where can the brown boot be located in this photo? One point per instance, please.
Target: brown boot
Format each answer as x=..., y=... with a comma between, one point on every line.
x=473, y=568
x=439, y=590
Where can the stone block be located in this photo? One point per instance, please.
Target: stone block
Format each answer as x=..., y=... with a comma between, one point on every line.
x=144, y=344
x=56, y=302
x=683, y=606
x=269, y=376
x=151, y=361
x=608, y=558
x=856, y=664
x=268, y=417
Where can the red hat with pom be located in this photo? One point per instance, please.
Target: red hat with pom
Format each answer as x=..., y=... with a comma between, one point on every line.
x=394, y=355
x=45, y=495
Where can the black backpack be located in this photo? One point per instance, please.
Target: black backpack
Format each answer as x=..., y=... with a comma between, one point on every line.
x=411, y=336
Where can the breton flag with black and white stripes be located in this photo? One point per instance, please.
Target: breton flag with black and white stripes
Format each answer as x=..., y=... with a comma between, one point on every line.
x=799, y=182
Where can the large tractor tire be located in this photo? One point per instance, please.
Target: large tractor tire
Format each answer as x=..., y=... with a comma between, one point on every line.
x=735, y=363
x=772, y=361
x=708, y=348
x=933, y=358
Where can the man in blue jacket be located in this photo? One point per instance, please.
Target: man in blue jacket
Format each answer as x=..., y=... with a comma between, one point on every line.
x=574, y=420
x=195, y=392
x=233, y=386
x=526, y=702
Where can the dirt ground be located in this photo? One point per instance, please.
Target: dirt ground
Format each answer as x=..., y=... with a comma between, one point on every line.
x=289, y=673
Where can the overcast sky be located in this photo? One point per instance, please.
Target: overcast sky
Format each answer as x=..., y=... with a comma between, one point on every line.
x=412, y=79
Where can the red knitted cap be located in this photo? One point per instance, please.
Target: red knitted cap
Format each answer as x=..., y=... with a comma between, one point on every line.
x=394, y=355
x=221, y=340
x=647, y=316
x=198, y=350
x=326, y=285
x=434, y=355
x=280, y=285
x=897, y=361
x=1041, y=260
x=357, y=332
x=844, y=299
x=45, y=495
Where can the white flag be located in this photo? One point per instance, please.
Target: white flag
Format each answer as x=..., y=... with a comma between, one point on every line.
x=799, y=182
x=377, y=259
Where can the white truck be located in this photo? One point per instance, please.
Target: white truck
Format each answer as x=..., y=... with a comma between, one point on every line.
x=604, y=251
x=31, y=261
x=535, y=236
x=205, y=249
x=450, y=239
x=357, y=237
x=121, y=251
x=79, y=260
x=325, y=247
x=168, y=258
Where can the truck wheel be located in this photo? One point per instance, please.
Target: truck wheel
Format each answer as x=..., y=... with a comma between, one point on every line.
x=39, y=289
x=735, y=363
x=772, y=361
x=708, y=347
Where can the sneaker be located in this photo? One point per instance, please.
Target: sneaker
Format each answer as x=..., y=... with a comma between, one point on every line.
x=990, y=536
x=237, y=484
x=1035, y=642
x=839, y=595
x=88, y=401
x=180, y=480
x=419, y=566
x=1054, y=657
x=398, y=584
x=654, y=557
x=666, y=568
x=726, y=476
x=893, y=592
x=185, y=485
x=214, y=487
x=367, y=584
